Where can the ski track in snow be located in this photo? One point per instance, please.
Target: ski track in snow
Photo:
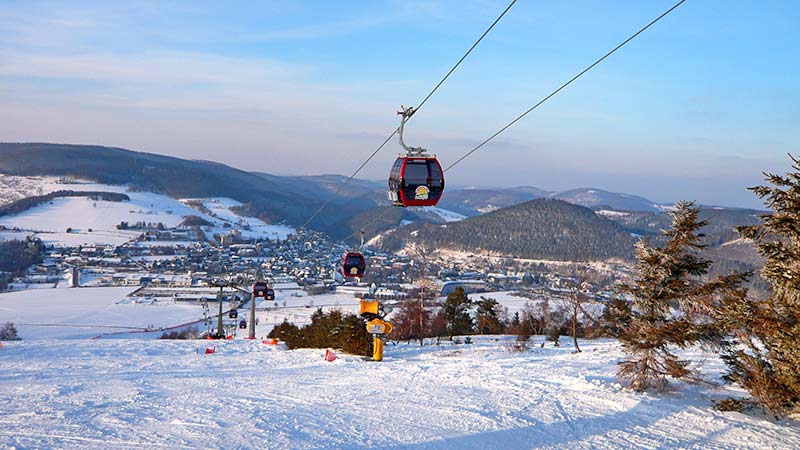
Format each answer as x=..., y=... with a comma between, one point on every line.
x=153, y=394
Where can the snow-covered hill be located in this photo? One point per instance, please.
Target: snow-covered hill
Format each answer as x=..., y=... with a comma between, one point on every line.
x=168, y=394
x=593, y=198
x=94, y=221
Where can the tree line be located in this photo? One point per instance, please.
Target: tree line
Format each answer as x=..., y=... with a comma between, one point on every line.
x=332, y=329
x=16, y=256
x=26, y=203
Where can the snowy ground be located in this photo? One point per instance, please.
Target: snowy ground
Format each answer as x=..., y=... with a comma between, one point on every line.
x=443, y=214
x=86, y=312
x=164, y=394
x=516, y=304
x=50, y=220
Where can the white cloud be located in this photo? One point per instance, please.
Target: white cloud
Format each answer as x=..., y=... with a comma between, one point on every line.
x=154, y=67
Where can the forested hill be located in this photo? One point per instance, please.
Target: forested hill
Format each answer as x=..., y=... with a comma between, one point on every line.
x=273, y=199
x=538, y=229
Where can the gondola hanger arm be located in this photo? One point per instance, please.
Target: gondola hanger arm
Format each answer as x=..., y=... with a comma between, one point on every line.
x=406, y=114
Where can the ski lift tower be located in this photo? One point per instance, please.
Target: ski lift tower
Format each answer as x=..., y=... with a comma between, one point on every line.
x=220, y=283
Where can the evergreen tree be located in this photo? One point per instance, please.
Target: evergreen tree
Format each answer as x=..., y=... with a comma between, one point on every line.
x=762, y=352
x=354, y=336
x=456, y=313
x=514, y=325
x=488, y=316
x=8, y=332
x=324, y=329
x=332, y=329
x=671, y=306
x=289, y=333
x=616, y=317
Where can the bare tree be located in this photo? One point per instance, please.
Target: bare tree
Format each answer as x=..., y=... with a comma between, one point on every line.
x=582, y=277
x=426, y=288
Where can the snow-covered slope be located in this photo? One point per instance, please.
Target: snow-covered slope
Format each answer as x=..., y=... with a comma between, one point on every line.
x=592, y=198
x=444, y=214
x=221, y=213
x=51, y=220
x=167, y=394
x=71, y=313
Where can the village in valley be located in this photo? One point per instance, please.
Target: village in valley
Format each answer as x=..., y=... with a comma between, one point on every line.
x=162, y=267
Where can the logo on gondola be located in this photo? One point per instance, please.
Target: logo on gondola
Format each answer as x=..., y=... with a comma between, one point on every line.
x=353, y=270
x=421, y=193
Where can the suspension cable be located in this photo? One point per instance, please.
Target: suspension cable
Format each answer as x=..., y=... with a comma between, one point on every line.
x=518, y=118
x=364, y=227
x=590, y=67
x=435, y=88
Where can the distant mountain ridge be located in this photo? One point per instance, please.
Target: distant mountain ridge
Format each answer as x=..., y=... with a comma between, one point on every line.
x=293, y=199
x=596, y=198
x=271, y=198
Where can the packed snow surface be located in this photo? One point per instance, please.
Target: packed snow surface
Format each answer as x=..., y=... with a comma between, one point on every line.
x=168, y=394
x=86, y=312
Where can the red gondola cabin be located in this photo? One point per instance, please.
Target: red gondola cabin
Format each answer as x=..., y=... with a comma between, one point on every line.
x=416, y=181
x=353, y=265
x=260, y=289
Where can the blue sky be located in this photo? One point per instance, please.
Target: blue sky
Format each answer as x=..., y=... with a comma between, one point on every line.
x=695, y=108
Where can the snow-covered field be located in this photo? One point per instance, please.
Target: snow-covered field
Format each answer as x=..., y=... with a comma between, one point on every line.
x=168, y=394
x=516, y=304
x=220, y=208
x=443, y=214
x=86, y=312
x=49, y=221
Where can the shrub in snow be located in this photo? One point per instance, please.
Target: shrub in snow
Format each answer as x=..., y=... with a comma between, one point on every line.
x=333, y=329
x=554, y=335
x=8, y=332
x=187, y=333
x=289, y=333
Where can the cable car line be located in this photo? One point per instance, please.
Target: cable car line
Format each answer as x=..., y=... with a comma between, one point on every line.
x=552, y=94
x=350, y=178
x=430, y=94
x=590, y=67
x=465, y=55
x=374, y=219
